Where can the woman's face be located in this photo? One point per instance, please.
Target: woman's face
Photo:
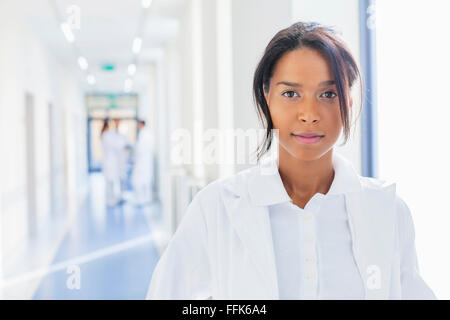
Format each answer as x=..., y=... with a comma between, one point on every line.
x=302, y=98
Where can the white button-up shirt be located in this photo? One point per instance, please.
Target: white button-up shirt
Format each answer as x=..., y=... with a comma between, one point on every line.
x=313, y=249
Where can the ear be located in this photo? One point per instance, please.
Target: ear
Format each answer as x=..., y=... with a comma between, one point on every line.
x=351, y=102
x=267, y=98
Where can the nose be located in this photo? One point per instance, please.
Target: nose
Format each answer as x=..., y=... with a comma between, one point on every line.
x=308, y=113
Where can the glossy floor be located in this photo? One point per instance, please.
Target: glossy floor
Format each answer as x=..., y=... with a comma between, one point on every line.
x=101, y=253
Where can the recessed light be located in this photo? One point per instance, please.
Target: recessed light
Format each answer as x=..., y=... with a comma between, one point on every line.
x=90, y=79
x=65, y=27
x=137, y=44
x=131, y=69
x=83, y=63
x=146, y=3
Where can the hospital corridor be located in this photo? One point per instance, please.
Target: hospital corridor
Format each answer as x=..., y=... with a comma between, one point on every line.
x=115, y=115
x=81, y=194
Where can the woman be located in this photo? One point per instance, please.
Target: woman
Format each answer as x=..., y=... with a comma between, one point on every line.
x=111, y=165
x=142, y=176
x=305, y=226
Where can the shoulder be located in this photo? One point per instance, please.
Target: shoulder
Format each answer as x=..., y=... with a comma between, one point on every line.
x=389, y=189
x=404, y=219
x=383, y=193
x=220, y=189
x=378, y=193
x=206, y=204
x=375, y=183
x=370, y=183
x=403, y=216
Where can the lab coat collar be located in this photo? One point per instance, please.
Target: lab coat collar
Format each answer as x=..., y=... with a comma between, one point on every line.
x=266, y=187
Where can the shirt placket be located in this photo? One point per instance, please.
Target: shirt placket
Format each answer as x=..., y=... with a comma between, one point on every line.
x=310, y=276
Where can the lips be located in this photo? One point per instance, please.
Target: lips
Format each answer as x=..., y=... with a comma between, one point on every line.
x=308, y=138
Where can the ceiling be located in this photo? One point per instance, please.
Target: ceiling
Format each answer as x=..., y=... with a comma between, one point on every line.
x=107, y=30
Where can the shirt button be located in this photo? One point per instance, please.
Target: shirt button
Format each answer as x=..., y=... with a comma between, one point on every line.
x=309, y=259
x=309, y=239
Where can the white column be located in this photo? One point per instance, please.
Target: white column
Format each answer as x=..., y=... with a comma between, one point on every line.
x=225, y=107
x=2, y=119
x=163, y=142
x=198, y=86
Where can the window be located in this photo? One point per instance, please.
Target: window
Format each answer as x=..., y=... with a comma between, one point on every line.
x=413, y=130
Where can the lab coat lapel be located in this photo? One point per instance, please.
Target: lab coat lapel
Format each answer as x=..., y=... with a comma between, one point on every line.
x=370, y=214
x=252, y=224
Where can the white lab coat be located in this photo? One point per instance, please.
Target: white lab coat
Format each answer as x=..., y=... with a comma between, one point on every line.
x=142, y=176
x=111, y=156
x=121, y=144
x=223, y=248
x=114, y=165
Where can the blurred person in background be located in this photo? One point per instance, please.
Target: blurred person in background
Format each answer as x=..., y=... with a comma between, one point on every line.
x=121, y=143
x=110, y=165
x=142, y=177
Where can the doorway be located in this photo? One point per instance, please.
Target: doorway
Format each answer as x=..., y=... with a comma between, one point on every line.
x=128, y=126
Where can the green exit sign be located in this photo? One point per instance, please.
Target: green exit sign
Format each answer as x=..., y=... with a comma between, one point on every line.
x=112, y=101
x=108, y=67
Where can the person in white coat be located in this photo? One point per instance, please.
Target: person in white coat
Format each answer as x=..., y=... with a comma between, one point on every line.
x=110, y=165
x=302, y=224
x=142, y=176
x=122, y=153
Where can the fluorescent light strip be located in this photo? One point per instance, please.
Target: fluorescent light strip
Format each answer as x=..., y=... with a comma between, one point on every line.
x=137, y=44
x=128, y=85
x=91, y=79
x=131, y=69
x=65, y=27
x=146, y=4
x=83, y=63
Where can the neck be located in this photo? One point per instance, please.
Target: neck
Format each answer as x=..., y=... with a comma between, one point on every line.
x=302, y=179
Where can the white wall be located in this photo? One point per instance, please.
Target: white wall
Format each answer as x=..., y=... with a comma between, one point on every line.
x=27, y=66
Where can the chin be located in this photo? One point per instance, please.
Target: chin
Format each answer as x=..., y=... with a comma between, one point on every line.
x=307, y=152
x=308, y=156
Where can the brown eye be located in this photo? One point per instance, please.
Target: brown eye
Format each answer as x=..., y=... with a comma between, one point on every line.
x=330, y=94
x=289, y=94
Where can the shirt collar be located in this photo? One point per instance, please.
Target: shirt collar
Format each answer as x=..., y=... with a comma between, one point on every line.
x=266, y=186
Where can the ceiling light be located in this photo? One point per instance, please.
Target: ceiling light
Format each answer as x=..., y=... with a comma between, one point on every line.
x=128, y=85
x=131, y=69
x=137, y=44
x=83, y=63
x=91, y=79
x=146, y=3
x=65, y=27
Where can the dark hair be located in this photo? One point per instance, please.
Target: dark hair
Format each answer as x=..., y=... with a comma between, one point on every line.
x=324, y=40
x=105, y=126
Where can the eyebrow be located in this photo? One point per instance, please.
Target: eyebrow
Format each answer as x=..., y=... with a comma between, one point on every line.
x=294, y=84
